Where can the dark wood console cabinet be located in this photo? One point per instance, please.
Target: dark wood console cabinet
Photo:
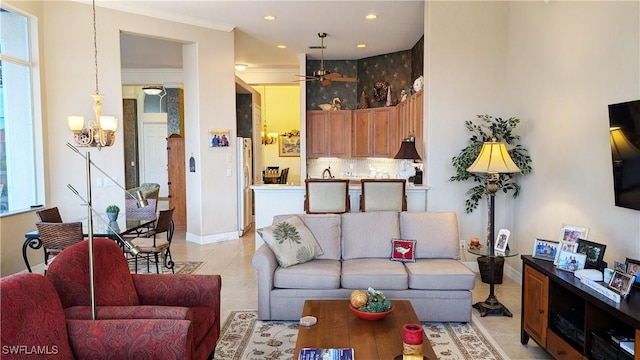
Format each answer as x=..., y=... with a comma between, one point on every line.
x=548, y=292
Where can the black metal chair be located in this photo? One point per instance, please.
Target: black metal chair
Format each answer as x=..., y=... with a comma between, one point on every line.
x=283, y=175
x=151, y=244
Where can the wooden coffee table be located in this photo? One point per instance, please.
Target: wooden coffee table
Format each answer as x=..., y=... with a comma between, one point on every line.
x=338, y=327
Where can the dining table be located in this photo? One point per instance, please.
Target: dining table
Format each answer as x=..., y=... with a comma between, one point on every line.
x=102, y=227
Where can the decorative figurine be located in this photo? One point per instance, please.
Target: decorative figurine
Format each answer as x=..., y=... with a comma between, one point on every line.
x=363, y=103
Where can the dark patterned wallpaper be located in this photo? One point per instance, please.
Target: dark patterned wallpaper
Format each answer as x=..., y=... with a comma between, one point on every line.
x=244, y=115
x=174, y=111
x=399, y=69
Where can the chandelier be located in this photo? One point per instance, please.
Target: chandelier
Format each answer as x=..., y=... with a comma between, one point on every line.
x=100, y=131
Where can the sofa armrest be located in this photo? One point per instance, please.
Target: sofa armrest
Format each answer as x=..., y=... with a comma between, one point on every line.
x=179, y=290
x=129, y=312
x=131, y=339
x=265, y=263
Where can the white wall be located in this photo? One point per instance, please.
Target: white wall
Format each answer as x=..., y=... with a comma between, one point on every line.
x=556, y=66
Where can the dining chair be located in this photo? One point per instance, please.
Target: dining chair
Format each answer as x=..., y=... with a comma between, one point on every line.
x=326, y=196
x=383, y=195
x=283, y=175
x=152, y=244
x=51, y=215
x=57, y=236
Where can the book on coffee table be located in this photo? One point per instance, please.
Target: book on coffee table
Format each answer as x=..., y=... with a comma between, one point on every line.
x=326, y=354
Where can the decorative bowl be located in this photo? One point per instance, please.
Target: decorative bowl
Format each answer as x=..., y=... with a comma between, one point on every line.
x=371, y=315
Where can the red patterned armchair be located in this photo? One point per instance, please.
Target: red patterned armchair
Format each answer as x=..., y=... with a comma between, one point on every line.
x=120, y=294
x=33, y=326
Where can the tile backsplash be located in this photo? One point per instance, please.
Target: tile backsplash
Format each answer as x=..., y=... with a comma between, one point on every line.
x=360, y=168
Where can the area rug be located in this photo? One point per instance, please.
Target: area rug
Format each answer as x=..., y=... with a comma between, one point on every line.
x=244, y=337
x=180, y=267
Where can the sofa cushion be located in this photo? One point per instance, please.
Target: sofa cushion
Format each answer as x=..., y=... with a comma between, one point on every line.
x=379, y=274
x=325, y=228
x=369, y=234
x=316, y=274
x=291, y=241
x=403, y=250
x=440, y=274
x=436, y=233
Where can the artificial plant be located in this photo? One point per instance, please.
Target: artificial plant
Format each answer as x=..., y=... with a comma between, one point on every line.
x=482, y=130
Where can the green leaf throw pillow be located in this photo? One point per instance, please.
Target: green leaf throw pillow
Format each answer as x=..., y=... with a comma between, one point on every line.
x=291, y=241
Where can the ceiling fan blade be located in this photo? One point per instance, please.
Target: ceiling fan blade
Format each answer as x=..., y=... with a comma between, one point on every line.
x=345, y=79
x=325, y=81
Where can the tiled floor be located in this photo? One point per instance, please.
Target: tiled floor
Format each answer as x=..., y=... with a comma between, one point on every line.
x=232, y=260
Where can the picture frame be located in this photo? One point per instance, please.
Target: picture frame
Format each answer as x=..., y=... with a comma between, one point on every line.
x=570, y=261
x=594, y=252
x=289, y=146
x=502, y=240
x=569, y=235
x=545, y=249
x=633, y=268
x=219, y=138
x=621, y=283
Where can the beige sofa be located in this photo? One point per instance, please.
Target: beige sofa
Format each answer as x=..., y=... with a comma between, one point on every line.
x=357, y=250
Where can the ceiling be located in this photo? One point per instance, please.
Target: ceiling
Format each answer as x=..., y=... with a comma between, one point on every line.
x=398, y=27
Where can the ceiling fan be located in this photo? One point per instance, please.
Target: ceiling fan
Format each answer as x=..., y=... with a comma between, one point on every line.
x=324, y=76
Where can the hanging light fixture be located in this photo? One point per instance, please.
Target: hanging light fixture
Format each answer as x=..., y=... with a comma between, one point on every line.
x=100, y=131
x=153, y=89
x=267, y=137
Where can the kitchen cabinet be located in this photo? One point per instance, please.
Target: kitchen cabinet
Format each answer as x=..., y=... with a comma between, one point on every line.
x=410, y=118
x=571, y=320
x=329, y=133
x=375, y=132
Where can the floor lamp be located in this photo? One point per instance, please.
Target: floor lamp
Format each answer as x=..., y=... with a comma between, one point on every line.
x=493, y=160
x=132, y=249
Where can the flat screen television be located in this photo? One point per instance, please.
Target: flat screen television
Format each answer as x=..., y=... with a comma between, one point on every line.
x=624, y=129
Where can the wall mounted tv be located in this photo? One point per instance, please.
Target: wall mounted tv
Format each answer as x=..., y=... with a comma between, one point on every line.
x=624, y=133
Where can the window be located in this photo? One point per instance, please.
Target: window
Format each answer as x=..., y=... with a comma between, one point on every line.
x=21, y=180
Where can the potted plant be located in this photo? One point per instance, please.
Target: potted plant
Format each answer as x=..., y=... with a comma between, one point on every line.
x=112, y=212
x=482, y=130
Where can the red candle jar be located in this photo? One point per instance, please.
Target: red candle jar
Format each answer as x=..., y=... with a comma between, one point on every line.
x=412, y=342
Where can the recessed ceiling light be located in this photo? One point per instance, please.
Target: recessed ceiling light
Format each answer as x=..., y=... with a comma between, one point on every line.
x=361, y=46
x=371, y=17
x=241, y=67
x=282, y=46
x=269, y=17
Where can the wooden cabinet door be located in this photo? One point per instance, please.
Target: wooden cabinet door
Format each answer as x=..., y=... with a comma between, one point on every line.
x=339, y=133
x=384, y=130
x=416, y=124
x=317, y=134
x=535, y=305
x=177, y=179
x=361, y=133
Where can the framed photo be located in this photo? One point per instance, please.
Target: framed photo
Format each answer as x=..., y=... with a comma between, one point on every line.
x=569, y=235
x=219, y=137
x=570, y=261
x=633, y=268
x=545, y=249
x=289, y=145
x=594, y=252
x=621, y=283
x=502, y=240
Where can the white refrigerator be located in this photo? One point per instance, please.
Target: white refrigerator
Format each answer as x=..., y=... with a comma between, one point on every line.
x=245, y=176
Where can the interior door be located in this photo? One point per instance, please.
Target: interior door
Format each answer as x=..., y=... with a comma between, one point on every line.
x=154, y=155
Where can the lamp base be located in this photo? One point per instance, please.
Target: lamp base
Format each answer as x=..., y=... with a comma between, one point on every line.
x=492, y=306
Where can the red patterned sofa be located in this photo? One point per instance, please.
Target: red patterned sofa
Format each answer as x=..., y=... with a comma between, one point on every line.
x=120, y=294
x=33, y=326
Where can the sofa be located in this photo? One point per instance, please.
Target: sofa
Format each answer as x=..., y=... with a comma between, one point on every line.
x=122, y=295
x=34, y=326
x=356, y=254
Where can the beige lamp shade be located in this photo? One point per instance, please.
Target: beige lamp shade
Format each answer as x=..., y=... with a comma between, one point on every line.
x=109, y=123
x=76, y=123
x=621, y=147
x=493, y=159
